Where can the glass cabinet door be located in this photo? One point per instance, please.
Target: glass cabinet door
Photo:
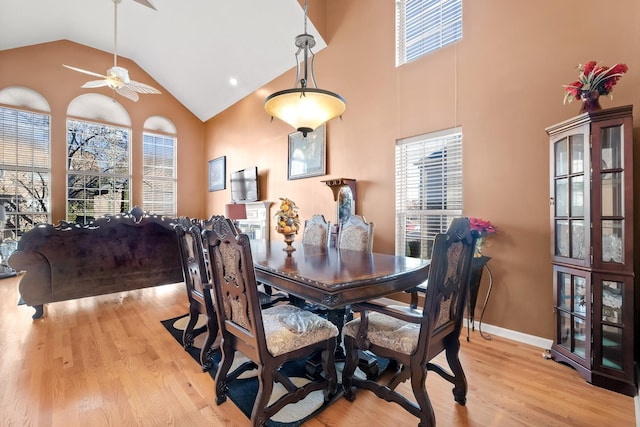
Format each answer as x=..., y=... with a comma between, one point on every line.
x=570, y=196
x=573, y=305
x=612, y=178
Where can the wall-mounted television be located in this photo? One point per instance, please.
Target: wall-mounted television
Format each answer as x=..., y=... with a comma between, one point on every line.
x=244, y=185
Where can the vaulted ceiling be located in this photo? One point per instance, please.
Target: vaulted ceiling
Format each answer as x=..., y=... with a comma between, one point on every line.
x=193, y=48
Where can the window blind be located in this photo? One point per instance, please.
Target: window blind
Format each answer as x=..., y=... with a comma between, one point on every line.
x=423, y=26
x=159, y=174
x=428, y=189
x=25, y=172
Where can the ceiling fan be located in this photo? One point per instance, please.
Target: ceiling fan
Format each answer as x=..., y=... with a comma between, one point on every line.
x=117, y=78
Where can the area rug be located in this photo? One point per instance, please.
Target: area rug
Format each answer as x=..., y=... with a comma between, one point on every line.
x=242, y=392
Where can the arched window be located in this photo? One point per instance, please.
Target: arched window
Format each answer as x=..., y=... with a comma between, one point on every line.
x=25, y=161
x=159, y=166
x=98, y=158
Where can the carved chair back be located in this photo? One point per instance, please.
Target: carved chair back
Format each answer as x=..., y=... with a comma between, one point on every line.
x=316, y=231
x=356, y=233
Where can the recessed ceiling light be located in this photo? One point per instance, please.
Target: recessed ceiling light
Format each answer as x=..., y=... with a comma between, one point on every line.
x=233, y=81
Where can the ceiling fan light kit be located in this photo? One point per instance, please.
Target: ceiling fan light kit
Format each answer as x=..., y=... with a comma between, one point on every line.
x=117, y=78
x=302, y=107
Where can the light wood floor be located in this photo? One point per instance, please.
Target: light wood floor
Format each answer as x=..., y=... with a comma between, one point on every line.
x=107, y=361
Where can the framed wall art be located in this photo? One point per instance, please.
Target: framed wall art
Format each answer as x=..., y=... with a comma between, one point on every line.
x=307, y=154
x=218, y=174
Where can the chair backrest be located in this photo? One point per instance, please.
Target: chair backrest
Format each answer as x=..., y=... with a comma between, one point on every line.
x=192, y=257
x=448, y=285
x=356, y=233
x=235, y=287
x=316, y=231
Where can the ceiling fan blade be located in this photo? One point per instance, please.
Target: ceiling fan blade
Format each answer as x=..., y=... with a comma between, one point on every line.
x=95, y=83
x=145, y=3
x=127, y=93
x=141, y=87
x=91, y=73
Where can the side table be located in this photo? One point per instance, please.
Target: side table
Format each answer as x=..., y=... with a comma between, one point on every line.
x=478, y=265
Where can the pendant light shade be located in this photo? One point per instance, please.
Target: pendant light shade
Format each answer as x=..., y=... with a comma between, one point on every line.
x=303, y=107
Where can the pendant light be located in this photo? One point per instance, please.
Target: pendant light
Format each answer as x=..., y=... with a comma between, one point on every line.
x=303, y=107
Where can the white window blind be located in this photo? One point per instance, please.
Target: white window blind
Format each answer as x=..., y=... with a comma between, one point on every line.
x=25, y=173
x=428, y=189
x=98, y=170
x=159, y=174
x=423, y=26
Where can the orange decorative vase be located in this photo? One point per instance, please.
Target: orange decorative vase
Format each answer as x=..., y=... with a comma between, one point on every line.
x=590, y=102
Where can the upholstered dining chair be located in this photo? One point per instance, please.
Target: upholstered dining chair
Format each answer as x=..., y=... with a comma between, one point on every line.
x=268, y=337
x=200, y=298
x=316, y=231
x=411, y=338
x=356, y=233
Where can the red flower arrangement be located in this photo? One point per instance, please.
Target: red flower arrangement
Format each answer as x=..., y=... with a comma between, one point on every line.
x=593, y=77
x=482, y=227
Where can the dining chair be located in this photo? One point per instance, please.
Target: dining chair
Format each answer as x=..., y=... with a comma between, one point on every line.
x=356, y=233
x=269, y=337
x=200, y=299
x=316, y=231
x=412, y=338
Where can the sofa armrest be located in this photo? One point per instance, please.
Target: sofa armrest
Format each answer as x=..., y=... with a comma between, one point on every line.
x=35, y=284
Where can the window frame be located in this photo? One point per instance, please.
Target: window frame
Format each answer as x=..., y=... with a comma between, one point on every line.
x=427, y=165
x=111, y=206
x=425, y=26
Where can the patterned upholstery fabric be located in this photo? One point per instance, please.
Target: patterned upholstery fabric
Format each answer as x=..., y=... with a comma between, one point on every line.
x=388, y=332
x=356, y=234
x=288, y=328
x=354, y=238
x=315, y=234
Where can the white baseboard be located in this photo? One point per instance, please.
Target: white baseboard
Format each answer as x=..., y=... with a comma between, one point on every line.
x=533, y=340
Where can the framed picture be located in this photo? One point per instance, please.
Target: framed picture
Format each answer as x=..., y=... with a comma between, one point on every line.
x=308, y=154
x=218, y=174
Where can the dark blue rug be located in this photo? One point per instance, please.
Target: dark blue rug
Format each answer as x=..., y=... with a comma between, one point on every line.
x=242, y=392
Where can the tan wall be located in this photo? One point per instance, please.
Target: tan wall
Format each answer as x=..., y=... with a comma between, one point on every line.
x=40, y=68
x=501, y=83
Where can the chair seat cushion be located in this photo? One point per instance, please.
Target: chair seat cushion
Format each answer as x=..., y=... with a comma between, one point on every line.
x=387, y=331
x=289, y=328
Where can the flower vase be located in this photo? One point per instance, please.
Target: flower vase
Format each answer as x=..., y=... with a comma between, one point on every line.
x=590, y=101
x=477, y=251
x=289, y=238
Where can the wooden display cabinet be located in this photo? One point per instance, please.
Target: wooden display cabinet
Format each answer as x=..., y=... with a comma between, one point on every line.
x=592, y=229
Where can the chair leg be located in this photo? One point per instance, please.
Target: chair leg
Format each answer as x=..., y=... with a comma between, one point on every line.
x=418, y=385
x=329, y=366
x=258, y=414
x=206, y=354
x=350, y=364
x=460, y=380
x=187, y=334
x=222, y=388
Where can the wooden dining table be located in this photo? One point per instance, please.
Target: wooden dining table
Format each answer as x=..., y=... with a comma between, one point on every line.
x=334, y=278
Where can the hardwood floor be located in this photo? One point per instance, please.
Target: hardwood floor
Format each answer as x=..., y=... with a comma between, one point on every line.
x=107, y=361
